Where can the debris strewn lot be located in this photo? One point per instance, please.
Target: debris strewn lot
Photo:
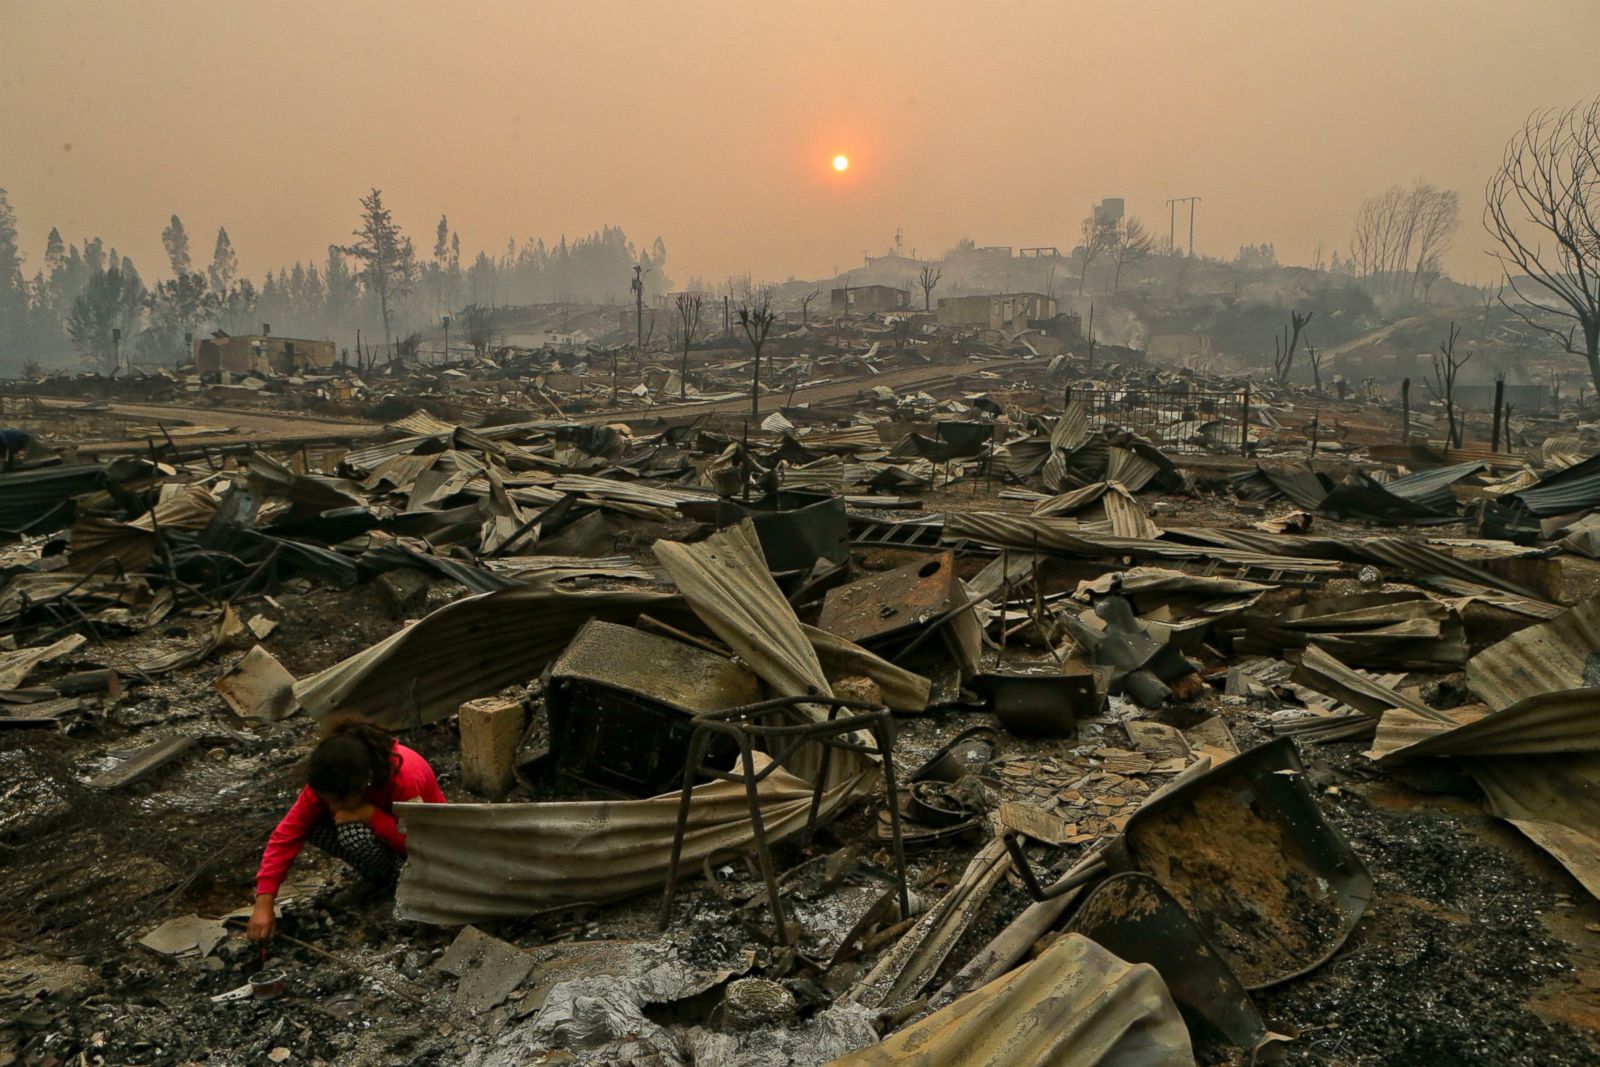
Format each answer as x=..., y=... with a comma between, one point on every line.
x=1078, y=732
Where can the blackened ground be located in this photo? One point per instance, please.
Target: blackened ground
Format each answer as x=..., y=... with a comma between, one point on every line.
x=1457, y=948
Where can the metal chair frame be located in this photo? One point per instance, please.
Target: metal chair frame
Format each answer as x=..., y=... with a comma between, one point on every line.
x=781, y=742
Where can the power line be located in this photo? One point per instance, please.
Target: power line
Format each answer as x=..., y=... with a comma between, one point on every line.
x=1172, y=221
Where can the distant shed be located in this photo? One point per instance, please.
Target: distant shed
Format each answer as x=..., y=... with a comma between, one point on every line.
x=259, y=354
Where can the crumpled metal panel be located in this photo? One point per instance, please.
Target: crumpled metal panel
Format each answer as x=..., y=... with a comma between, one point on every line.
x=1130, y=468
x=1538, y=762
x=1072, y=429
x=1563, y=653
x=659, y=669
x=1068, y=538
x=902, y=690
x=1574, y=489
x=728, y=585
x=892, y=602
x=272, y=479
x=1431, y=489
x=1076, y=1004
x=37, y=501
x=471, y=862
x=471, y=648
x=1567, y=720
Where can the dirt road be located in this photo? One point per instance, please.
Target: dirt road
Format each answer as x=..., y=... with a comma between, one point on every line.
x=249, y=426
x=242, y=425
x=900, y=381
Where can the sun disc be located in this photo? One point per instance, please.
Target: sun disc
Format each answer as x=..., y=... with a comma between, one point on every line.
x=841, y=162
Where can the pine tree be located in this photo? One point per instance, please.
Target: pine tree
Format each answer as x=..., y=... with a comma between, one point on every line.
x=176, y=242
x=388, y=262
x=224, y=265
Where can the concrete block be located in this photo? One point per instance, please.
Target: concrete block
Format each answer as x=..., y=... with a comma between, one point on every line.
x=491, y=729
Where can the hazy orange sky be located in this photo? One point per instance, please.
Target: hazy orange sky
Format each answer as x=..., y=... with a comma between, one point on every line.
x=713, y=124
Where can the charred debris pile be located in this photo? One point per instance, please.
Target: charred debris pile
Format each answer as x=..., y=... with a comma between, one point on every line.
x=969, y=723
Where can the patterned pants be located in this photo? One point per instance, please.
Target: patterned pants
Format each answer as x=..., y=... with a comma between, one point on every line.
x=357, y=845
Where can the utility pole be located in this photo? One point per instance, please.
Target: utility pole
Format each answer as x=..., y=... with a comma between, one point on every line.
x=638, y=311
x=1172, y=223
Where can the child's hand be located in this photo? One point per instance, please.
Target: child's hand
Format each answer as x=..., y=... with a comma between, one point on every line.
x=263, y=922
x=362, y=813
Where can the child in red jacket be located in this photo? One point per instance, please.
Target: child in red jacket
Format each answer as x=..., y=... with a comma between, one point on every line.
x=355, y=776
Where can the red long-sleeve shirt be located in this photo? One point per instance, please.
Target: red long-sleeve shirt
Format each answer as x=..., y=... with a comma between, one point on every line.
x=412, y=779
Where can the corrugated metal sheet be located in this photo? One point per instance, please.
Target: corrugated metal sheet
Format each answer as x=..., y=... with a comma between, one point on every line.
x=1538, y=762
x=1563, y=653
x=271, y=478
x=1126, y=516
x=1304, y=487
x=471, y=648
x=1065, y=537
x=1567, y=720
x=421, y=423
x=37, y=501
x=1575, y=488
x=1554, y=801
x=653, y=495
x=1076, y=1004
x=728, y=585
x=1131, y=469
x=1072, y=429
x=1431, y=489
x=470, y=862
x=1418, y=559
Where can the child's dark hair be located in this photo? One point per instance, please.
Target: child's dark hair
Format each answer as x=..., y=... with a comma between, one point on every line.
x=352, y=757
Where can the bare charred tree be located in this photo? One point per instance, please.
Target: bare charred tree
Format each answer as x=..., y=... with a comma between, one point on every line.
x=755, y=317
x=1446, y=365
x=1547, y=189
x=1399, y=235
x=689, y=322
x=1315, y=359
x=477, y=323
x=1097, y=238
x=1286, y=343
x=805, y=306
x=1131, y=242
x=929, y=280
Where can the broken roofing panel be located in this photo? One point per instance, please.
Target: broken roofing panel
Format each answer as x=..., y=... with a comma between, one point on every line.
x=469, y=862
x=1577, y=488
x=1538, y=762
x=1563, y=653
x=1431, y=489
x=467, y=649
x=1076, y=1004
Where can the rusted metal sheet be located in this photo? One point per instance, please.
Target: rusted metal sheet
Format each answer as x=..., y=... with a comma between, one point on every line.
x=894, y=602
x=471, y=648
x=1567, y=720
x=1563, y=653
x=1575, y=488
x=1538, y=762
x=658, y=669
x=471, y=862
x=1076, y=1004
x=1067, y=538
x=728, y=585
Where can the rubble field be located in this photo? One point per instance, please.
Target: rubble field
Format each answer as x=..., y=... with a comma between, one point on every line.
x=976, y=702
